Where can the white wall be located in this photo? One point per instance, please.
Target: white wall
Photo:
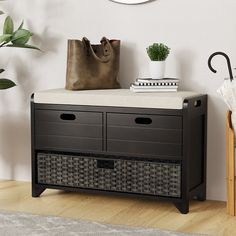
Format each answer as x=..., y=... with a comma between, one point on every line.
x=193, y=30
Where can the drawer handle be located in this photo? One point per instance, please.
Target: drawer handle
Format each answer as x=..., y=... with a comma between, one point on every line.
x=65, y=116
x=105, y=164
x=143, y=120
x=197, y=103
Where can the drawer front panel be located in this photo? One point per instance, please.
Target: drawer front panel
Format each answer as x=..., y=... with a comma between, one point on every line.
x=144, y=148
x=68, y=130
x=146, y=121
x=144, y=134
x=120, y=175
x=64, y=117
x=67, y=143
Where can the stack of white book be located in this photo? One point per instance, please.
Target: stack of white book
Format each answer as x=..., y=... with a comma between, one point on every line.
x=155, y=85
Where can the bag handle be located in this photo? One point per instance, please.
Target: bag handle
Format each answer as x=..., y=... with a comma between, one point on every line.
x=103, y=40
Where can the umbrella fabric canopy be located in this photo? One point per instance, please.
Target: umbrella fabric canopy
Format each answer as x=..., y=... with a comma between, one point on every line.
x=228, y=93
x=228, y=88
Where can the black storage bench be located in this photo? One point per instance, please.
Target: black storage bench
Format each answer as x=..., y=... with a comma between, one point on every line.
x=116, y=141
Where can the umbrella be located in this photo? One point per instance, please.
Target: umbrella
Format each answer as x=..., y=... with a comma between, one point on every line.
x=227, y=90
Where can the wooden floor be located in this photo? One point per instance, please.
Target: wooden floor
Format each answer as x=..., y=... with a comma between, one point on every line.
x=207, y=217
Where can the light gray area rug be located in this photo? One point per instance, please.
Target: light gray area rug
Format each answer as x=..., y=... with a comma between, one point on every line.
x=19, y=224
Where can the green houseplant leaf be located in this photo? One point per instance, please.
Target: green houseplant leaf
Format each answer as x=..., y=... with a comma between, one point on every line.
x=21, y=37
x=8, y=26
x=18, y=39
x=22, y=46
x=158, y=52
x=6, y=84
x=5, y=38
x=21, y=25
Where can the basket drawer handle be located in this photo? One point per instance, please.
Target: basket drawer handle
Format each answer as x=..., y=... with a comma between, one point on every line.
x=143, y=120
x=105, y=164
x=66, y=116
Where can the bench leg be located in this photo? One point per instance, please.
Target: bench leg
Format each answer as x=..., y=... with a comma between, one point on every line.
x=183, y=207
x=37, y=190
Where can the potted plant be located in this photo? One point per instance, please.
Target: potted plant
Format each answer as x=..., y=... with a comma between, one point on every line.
x=158, y=53
x=13, y=38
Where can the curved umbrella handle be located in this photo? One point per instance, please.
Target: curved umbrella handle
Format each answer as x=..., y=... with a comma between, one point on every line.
x=228, y=63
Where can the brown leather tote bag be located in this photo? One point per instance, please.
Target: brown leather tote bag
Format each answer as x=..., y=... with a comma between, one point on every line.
x=92, y=66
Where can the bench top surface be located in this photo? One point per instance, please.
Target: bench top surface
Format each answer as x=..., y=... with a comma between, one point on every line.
x=114, y=97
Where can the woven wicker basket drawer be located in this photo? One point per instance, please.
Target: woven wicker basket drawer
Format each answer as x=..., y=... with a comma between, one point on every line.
x=68, y=130
x=121, y=175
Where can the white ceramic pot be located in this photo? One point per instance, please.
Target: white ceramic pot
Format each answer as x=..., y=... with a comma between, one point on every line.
x=157, y=69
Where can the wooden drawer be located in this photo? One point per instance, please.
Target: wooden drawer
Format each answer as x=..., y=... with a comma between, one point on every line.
x=144, y=134
x=68, y=130
x=146, y=121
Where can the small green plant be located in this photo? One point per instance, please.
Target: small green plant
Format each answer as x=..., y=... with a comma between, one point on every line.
x=13, y=38
x=158, y=52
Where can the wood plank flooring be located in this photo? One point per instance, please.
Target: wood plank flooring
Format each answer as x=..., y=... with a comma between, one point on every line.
x=207, y=217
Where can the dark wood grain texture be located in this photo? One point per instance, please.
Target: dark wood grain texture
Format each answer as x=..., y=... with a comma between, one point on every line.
x=115, y=132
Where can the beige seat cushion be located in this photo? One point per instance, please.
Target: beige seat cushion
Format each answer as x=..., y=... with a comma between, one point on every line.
x=114, y=97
